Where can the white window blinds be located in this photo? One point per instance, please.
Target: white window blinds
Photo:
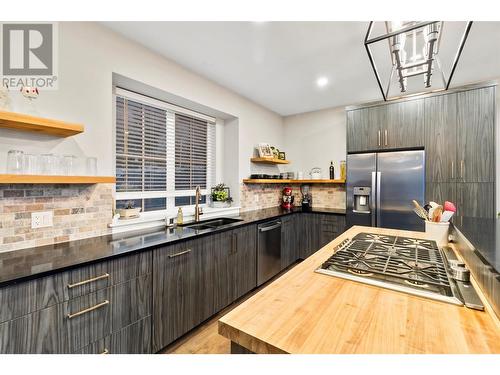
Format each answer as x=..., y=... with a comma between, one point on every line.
x=161, y=154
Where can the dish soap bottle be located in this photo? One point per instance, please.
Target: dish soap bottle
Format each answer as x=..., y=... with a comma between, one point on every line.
x=332, y=171
x=180, y=216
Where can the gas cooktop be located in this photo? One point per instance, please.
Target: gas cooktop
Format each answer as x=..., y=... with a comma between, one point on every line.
x=410, y=265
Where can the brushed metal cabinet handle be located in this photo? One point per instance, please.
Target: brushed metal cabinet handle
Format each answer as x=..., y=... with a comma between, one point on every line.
x=234, y=243
x=385, y=136
x=105, y=276
x=179, y=254
x=462, y=169
x=85, y=311
x=379, y=138
x=452, y=170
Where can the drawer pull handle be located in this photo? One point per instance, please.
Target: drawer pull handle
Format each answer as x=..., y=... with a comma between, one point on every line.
x=105, y=276
x=179, y=254
x=106, y=351
x=99, y=305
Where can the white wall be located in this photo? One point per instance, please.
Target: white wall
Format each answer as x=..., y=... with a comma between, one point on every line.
x=89, y=54
x=313, y=139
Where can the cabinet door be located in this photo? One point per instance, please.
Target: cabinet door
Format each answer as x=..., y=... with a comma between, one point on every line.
x=35, y=333
x=331, y=227
x=476, y=199
x=176, y=285
x=440, y=192
x=363, y=128
x=242, y=261
x=289, y=240
x=405, y=125
x=440, y=138
x=311, y=234
x=476, y=135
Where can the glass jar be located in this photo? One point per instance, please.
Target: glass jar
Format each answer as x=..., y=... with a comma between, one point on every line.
x=68, y=165
x=15, y=159
x=49, y=164
x=30, y=164
x=91, y=165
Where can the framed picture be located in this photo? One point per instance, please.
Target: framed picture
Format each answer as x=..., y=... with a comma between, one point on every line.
x=281, y=155
x=265, y=150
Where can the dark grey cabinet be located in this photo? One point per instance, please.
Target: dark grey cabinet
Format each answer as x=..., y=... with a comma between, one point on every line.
x=441, y=138
x=316, y=230
x=476, y=199
x=363, y=129
x=196, y=279
x=290, y=240
x=476, y=135
x=404, y=126
x=242, y=261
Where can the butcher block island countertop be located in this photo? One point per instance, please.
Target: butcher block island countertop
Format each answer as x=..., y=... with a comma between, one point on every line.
x=306, y=312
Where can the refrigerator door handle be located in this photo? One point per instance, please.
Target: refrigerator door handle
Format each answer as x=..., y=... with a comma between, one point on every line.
x=379, y=175
x=372, y=198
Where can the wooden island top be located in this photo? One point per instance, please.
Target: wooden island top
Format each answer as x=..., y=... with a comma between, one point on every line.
x=306, y=312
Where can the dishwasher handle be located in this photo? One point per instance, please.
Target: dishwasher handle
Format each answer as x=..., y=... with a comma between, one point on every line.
x=266, y=228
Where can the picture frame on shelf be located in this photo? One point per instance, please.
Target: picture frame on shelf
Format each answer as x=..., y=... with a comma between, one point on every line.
x=281, y=155
x=265, y=150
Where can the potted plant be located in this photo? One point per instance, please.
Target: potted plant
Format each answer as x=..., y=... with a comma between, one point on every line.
x=129, y=212
x=220, y=196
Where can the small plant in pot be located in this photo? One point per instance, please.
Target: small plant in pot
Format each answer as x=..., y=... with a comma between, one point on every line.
x=220, y=196
x=129, y=211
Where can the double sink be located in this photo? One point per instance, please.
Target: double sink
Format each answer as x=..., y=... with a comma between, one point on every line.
x=211, y=223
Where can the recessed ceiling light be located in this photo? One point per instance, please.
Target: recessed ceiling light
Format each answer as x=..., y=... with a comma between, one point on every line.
x=322, y=81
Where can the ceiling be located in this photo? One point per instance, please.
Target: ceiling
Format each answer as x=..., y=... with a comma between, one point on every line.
x=276, y=64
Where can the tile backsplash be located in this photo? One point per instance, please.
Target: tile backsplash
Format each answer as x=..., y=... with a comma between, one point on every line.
x=80, y=211
x=257, y=196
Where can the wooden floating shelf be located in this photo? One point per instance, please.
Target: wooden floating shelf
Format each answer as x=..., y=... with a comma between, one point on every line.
x=22, y=122
x=45, y=179
x=278, y=181
x=269, y=161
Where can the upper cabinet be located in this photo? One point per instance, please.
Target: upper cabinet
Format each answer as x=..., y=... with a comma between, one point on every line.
x=440, y=124
x=392, y=126
x=476, y=135
x=404, y=126
x=363, y=129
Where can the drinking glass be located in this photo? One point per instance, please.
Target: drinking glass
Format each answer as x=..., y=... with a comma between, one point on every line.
x=91, y=169
x=68, y=165
x=50, y=164
x=15, y=162
x=30, y=164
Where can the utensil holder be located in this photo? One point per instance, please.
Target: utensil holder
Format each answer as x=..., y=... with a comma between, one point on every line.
x=437, y=232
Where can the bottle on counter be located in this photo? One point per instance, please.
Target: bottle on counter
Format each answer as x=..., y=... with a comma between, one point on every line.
x=332, y=171
x=343, y=174
x=180, y=216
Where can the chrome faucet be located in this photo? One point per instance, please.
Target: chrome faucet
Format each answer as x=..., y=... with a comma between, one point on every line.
x=197, y=209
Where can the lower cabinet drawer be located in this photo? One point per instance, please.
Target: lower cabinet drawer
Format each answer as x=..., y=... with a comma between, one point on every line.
x=133, y=339
x=69, y=326
x=34, y=333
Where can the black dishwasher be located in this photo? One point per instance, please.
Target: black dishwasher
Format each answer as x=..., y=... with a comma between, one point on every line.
x=268, y=251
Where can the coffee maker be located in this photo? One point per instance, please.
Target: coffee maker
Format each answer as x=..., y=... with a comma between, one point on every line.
x=306, y=197
x=287, y=198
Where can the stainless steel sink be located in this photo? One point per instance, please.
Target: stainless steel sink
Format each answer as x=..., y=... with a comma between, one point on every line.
x=211, y=223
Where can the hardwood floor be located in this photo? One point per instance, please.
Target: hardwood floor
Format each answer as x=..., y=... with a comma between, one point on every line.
x=205, y=338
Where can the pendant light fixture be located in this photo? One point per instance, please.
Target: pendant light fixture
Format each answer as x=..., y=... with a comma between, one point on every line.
x=414, y=49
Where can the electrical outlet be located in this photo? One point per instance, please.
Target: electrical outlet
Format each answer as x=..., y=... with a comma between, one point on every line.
x=42, y=219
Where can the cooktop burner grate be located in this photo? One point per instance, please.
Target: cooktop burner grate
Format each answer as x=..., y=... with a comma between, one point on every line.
x=401, y=263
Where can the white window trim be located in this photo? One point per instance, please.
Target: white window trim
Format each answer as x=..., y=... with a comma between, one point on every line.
x=155, y=218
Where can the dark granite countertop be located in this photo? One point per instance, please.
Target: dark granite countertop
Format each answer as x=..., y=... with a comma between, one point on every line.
x=484, y=235
x=20, y=265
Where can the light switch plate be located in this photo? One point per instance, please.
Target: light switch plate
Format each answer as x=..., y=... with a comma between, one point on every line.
x=42, y=219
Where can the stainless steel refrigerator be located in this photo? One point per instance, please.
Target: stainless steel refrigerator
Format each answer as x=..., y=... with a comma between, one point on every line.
x=381, y=187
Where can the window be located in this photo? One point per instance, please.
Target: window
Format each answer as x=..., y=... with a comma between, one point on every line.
x=162, y=153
